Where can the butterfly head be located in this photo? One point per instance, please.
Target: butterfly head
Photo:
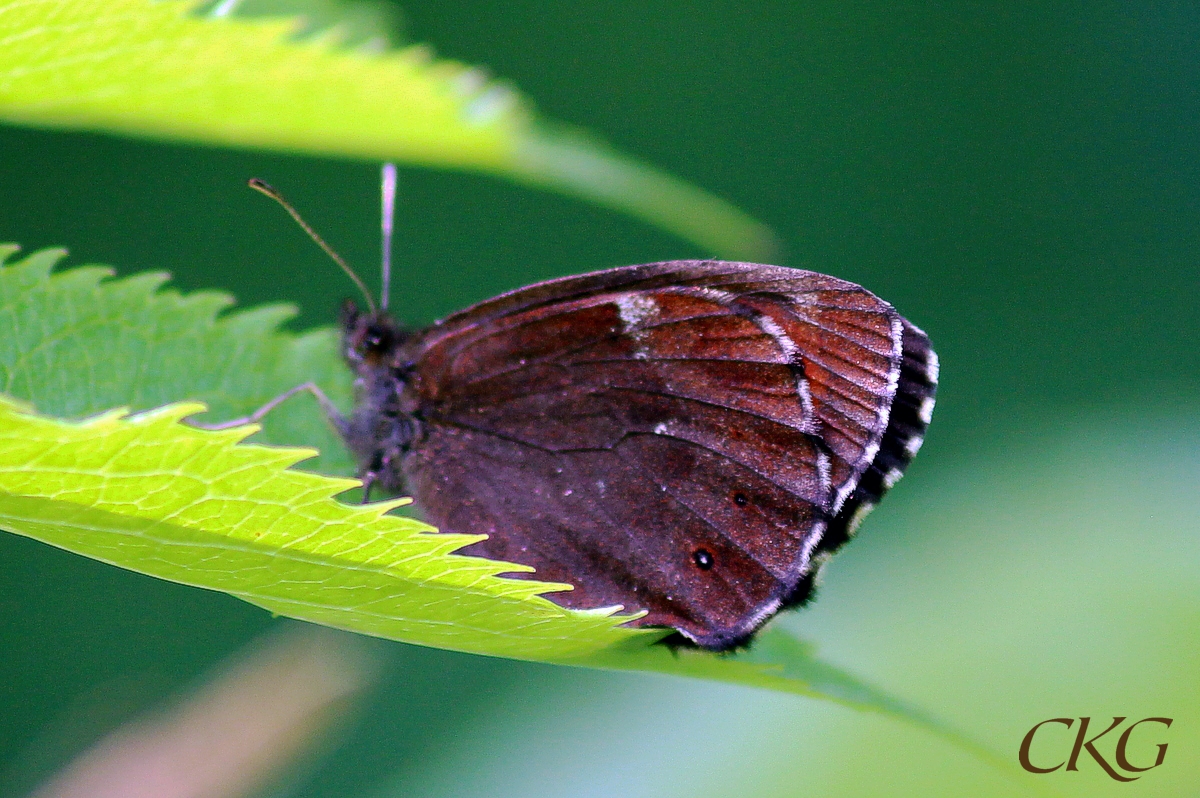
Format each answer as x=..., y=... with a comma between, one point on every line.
x=369, y=339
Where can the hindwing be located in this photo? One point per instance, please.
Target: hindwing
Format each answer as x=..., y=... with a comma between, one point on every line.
x=676, y=438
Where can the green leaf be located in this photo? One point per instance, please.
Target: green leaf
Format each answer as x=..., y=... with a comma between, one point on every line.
x=143, y=491
x=155, y=69
x=73, y=345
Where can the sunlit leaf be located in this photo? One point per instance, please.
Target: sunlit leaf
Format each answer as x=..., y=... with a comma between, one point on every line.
x=159, y=70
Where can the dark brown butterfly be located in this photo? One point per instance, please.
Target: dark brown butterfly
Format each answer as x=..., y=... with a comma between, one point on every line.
x=690, y=439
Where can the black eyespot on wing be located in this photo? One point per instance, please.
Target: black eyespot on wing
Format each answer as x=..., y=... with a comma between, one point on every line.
x=740, y=499
x=703, y=559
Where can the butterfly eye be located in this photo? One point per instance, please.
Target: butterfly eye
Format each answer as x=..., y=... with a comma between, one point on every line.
x=703, y=559
x=377, y=340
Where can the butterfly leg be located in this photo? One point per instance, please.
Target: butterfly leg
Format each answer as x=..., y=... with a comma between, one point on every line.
x=368, y=479
x=334, y=416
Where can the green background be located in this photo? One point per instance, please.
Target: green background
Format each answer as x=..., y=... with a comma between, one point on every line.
x=1024, y=185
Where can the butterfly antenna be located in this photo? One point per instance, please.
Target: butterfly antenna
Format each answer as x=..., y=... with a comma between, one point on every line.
x=389, y=213
x=264, y=188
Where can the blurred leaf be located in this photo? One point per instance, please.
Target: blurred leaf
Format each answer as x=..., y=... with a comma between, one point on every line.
x=368, y=25
x=147, y=493
x=776, y=660
x=155, y=69
x=269, y=705
x=571, y=162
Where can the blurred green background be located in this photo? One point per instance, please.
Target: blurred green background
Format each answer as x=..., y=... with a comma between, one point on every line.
x=1023, y=184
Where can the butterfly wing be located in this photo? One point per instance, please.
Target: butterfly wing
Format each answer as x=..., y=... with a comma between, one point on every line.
x=675, y=438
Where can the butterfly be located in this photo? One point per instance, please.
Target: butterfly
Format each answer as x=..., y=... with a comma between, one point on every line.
x=687, y=439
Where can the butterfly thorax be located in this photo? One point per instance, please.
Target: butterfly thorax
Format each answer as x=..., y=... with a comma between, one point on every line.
x=383, y=425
